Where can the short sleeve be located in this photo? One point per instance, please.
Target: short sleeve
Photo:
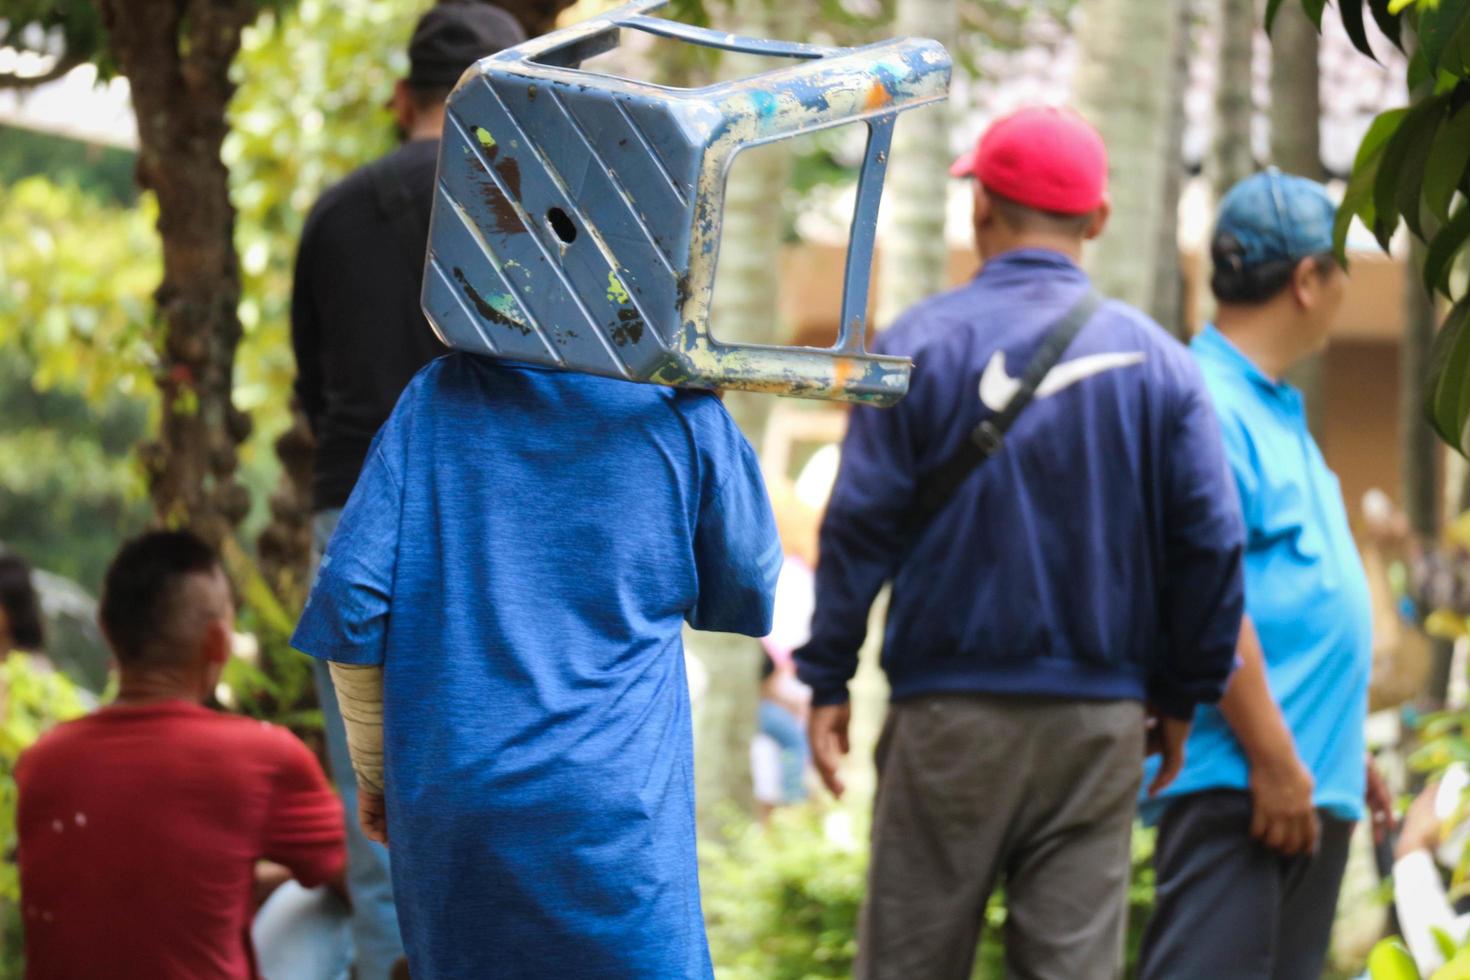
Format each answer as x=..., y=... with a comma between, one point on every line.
x=736, y=550
x=304, y=829
x=346, y=615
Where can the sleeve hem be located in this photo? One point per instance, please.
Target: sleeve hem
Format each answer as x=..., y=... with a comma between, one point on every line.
x=830, y=697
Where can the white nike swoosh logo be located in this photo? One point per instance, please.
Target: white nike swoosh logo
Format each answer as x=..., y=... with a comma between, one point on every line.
x=997, y=388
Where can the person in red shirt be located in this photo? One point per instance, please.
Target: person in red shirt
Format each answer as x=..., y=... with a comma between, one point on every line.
x=140, y=826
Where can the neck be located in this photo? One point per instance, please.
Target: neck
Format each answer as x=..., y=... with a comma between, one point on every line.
x=998, y=241
x=1259, y=333
x=149, y=685
x=427, y=126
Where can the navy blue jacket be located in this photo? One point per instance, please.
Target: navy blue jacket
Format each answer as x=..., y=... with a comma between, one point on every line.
x=1096, y=556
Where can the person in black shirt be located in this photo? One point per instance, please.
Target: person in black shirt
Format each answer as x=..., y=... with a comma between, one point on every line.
x=359, y=337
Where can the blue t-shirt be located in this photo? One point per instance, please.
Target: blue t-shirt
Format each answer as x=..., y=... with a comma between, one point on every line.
x=520, y=554
x=1305, y=589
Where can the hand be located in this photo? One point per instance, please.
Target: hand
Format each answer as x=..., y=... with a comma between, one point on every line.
x=827, y=732
x=1421, y=824
x=1380, y=804
x=1282, y=815
x=372, y=814
x=268, y=877
x=1165, y=736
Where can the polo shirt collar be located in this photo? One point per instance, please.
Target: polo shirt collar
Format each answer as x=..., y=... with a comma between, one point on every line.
x=1215, y=346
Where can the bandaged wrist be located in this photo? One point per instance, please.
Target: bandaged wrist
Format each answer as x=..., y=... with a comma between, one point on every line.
x=360, y=697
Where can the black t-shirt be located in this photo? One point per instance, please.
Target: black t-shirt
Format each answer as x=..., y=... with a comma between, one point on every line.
x=356, y=325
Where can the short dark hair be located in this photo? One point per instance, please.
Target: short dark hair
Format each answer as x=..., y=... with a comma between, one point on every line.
x=1232, y=281
x=426, y=98
x=141, y=593
x=22, y=605
x=1022, y=217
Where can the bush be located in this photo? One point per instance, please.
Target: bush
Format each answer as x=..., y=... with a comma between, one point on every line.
x=781, y=903
x=32, y=699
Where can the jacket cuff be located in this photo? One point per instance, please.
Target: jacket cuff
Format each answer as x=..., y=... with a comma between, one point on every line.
x=1172, y=704
x=829, y=696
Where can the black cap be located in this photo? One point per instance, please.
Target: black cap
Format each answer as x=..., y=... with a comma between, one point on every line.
x=454, y=35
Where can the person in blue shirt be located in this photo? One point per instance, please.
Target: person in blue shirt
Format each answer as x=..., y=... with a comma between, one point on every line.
x=502, y=605
x=1083, y=574
x=1253, y=834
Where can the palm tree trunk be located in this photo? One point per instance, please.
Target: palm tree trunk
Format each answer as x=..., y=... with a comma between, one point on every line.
x=913, y=254
x=1296, y=147
x=744, y=311
x=1127, y=86
x=1235, y=110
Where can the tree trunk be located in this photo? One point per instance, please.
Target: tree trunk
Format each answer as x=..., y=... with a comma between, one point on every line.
x=1296, y=147
x=283, y=549
x=1167, y=302
x=176, y=55
x=1420, y=474
x=913, y=254
x=1232, y=159
x=1126, y=85
x=744, y=311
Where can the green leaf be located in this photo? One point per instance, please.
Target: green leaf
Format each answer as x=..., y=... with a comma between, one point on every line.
x=1401, y=170
x=1357, y=201
x=1443, y=248
x=1351, y=12
x=1440, y=27
x=1387, y=22
x=1396, y=7
x=1447, y=164
x=1448, y=383
x=1391, y=961
x=1313, y=9
x=1419, y=75
x=1447, y=947
x=1273, y=7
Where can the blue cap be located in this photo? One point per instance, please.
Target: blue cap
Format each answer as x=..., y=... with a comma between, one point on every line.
x=1274, y=217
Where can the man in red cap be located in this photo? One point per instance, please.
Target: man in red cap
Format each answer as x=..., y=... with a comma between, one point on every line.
x=1052, y=506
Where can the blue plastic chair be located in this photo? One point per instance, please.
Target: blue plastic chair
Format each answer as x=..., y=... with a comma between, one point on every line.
x=577, y=219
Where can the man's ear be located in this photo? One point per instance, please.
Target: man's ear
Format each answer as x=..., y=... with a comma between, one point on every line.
x=1099, y=220
x=1306, y=283
x=402, y=105
x=983, y=209
x=218, y=641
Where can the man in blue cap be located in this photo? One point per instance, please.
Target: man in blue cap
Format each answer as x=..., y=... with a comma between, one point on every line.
x=1253, y=835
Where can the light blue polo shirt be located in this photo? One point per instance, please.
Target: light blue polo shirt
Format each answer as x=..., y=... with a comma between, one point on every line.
x=1305, y=588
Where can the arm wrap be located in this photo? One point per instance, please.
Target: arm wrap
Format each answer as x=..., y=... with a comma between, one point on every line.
x=360, y=696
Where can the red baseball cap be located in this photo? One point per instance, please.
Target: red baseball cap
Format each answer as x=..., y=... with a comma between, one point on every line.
x=1044, y=158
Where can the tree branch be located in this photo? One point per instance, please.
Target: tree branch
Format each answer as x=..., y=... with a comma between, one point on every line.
x=63, y=65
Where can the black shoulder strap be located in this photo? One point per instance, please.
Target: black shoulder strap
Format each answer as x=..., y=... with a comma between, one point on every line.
x=937, y=487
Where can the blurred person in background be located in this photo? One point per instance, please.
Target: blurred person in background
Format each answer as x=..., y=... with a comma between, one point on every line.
x=22, y=627
x=359, y=337
x=1431, y=842
x=1253, y=834
x=142, y=826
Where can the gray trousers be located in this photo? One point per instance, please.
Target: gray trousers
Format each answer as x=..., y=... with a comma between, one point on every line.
x=1227, y=907
x=976, y=790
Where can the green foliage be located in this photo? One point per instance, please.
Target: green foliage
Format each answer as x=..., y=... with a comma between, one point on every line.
x=31, y=701
x=1411, y=166
x=782, y=902
x=103, y=172
x=75, y=394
